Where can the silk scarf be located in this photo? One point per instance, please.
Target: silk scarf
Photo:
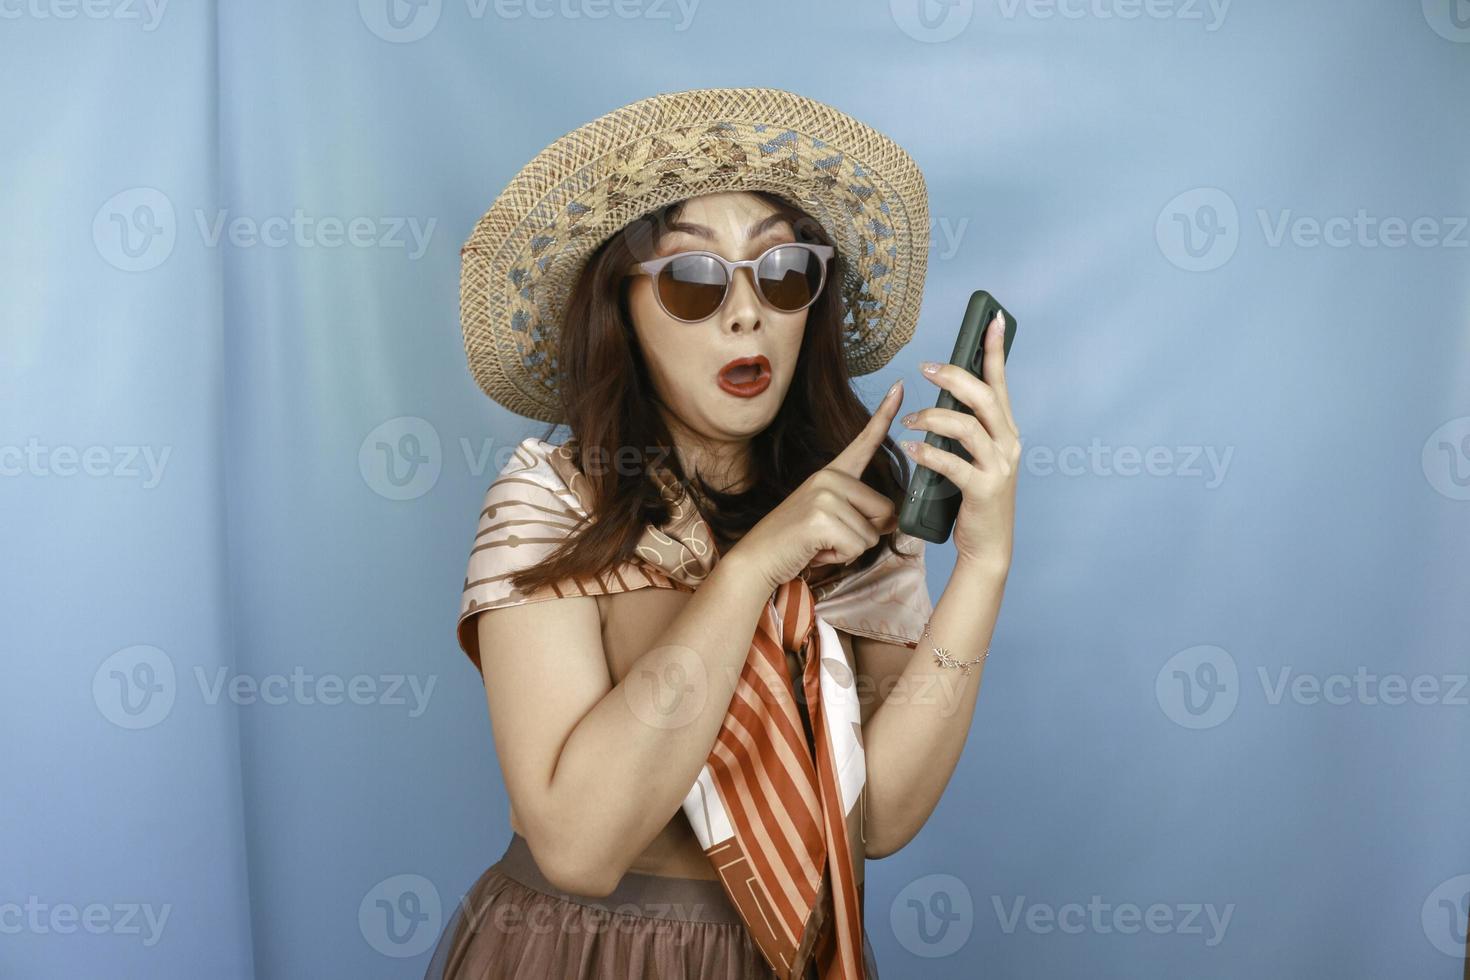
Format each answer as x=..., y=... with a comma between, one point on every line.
x=778, y=816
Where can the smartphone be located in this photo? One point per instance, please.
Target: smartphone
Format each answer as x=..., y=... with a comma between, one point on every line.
x=932, y=501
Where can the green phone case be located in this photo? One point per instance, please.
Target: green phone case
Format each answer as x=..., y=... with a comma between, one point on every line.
x=932, y=501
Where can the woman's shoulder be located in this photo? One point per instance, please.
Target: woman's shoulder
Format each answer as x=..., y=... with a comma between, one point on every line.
x=528, y=510
x=534, y=469
x=529, y=453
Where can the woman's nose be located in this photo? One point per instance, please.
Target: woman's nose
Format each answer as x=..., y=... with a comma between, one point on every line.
x=742, y=310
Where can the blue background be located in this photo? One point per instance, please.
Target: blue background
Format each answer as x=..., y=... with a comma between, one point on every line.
x=1115, y=174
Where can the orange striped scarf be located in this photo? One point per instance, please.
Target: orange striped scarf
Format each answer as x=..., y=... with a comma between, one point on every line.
x=773, y=811
x=788, y=866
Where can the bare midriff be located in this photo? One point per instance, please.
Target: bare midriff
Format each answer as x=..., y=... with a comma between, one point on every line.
x=631, y=623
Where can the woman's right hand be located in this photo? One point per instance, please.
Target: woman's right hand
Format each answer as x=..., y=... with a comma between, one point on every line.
x=833, y=517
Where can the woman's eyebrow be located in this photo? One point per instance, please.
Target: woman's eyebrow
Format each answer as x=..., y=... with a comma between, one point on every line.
x=756, y=230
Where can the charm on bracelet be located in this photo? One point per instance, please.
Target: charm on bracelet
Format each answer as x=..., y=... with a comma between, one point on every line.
x=943, y=659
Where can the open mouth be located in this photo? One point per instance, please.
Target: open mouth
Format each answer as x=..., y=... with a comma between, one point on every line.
x=746, y=377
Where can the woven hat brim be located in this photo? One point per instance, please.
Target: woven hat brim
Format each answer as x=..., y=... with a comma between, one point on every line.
x=521, y=261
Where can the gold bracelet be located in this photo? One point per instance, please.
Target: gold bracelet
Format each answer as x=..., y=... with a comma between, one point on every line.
x=943, y=659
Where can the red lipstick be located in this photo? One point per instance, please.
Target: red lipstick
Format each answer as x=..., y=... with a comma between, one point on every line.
x=746, y=377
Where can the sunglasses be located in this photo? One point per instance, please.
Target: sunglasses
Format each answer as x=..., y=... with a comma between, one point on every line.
x=692, y=286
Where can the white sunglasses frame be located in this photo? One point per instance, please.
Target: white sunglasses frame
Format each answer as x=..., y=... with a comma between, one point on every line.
x=653, y=267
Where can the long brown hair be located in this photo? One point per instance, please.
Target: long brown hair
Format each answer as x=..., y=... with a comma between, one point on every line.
x=611, y=407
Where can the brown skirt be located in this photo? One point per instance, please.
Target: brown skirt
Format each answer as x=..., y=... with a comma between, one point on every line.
x=513, y=923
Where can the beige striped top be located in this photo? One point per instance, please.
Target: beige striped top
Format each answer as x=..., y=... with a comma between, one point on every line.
x=539, y=497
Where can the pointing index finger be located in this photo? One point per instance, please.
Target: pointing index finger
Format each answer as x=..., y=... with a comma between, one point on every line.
x=854, y=459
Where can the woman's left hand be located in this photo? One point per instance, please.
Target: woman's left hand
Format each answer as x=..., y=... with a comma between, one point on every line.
x=986, y=521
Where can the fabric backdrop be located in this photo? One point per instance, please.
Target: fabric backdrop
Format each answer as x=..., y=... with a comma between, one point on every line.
x=1223, y=728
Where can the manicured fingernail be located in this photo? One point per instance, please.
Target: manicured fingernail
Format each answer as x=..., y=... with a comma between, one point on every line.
x=908, y=446
x=928, y=367
x=894, y=387
x=909, y=420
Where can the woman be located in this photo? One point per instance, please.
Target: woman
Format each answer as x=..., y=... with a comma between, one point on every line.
x=695, y=618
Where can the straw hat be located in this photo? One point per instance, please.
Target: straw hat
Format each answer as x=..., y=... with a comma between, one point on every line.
x=521, y=261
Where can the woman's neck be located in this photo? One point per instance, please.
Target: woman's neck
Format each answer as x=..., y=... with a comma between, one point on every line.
x=725, y=466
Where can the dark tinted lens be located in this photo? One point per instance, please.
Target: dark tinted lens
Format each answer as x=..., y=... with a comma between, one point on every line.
x=692, y=286
x=790, y=277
